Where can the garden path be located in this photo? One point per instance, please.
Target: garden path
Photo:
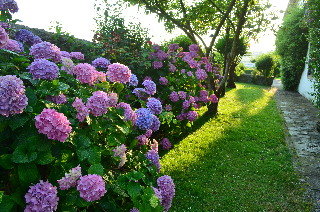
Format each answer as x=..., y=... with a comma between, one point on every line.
x=303, y=138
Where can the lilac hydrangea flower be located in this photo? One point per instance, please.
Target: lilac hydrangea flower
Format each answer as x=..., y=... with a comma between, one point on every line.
x=70, y=179
x=53, y=124
x=190, y=74
x=194, y=48
x=25, y=36
x=85, y=73
x=154, y=105
x=65, y=54
x=144, y=119
x=154, y=158
x=77, y=55
x=185, y=104
x=172, y=67
x=156, y=47
x=168, y=107
x=120, y=151
x=10, y=5
x=41, y=197
x=174, y=96
x=98, y=103
x=166, y=144
x=101, y=62
x=43, y=69
x=201, y=74
x=141, y=93
x=67, y=65
x=91, y=187
x=134, y=210
x=148, y=133
x=129, y=114
x=163, y=81
x=155, y=123
x=4, y=38
x=143, y=140
x=133, y=80
x=161, y=55
x=174, y=47
x=157, y=64
x=13, y=98
x=213, y=98
x=182, y=95
x=81, y=108
x=150, y=87
x=46, y=50
x=167, y=190
x=192, y=115
x=59, y=99
x=13, y=45
x=118, y=73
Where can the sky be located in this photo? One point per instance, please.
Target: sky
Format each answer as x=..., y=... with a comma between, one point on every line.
x=77, y=18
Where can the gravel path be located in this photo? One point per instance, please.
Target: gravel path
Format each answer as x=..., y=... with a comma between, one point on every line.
x=303, y=138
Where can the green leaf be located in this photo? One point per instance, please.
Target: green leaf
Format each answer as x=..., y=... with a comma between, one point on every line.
x=154, y=201
x=32, y=98
x=24, y=153
x=28, y=173
x=82, y=141
x=91, y=153
x=1, y=195
x=133, y=189
x=44, y=158
x=63, y=86
x=96, y=169
x=17, y=121
x=6, y=162
x=6, y=204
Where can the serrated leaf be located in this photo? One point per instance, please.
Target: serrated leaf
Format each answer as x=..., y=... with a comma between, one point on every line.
x=28, y=173
x=6, y=203
x=44, y=158
x=6, y=162
x=1, y=195
x=82, y=141
x=133, y=189
x=96, y=169
x=18, y=121
x=24, y=154
x=32, y=97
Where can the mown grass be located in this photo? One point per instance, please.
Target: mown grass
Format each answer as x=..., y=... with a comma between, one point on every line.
x=237, y=161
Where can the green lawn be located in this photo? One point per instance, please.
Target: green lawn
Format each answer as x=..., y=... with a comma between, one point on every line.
x=237, y=161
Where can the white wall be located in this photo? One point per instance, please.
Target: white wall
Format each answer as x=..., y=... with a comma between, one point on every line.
x=306, y=82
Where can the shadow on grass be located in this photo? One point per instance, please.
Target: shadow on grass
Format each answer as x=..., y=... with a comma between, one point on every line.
x=240, y=166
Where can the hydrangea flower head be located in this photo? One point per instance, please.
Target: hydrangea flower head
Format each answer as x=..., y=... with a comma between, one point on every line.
x=81, y=108
x=163, y=81
x=46, y=50
x=167, y=190
x=85, y=73
x=133, y=80
x=174, y=96
x=42, y=197
x=60, y=99
x=174, y=47
x=43, y=69
x=157, y=64
x=150, y=87
x=154, y=105
x=201, y=74
x=101, y=62
x=13, y=45
x=53, y=124
x=70, y=179
x=65, y=54
x=10, y=5
x=155, y=123
x=194, y=48
x=13, y=98
x=25, y=36
x=134, y=210
x=192, y=115
x=91, y=187
x=77, y=55
x=213, y=98
x=154, y=158
x=120, y=151
x=166, y=144
x=3, y=37
x=144, y=119
x=182, y=95
x=118, y=73
x=141, y=93
x=129, y=114
x=172, y=68
x=98, y=103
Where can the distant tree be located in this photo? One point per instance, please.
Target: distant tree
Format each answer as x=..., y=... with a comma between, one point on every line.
x=265, y=64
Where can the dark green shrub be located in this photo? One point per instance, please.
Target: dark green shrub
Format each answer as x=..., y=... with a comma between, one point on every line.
x=265, y=64
x=292, y=46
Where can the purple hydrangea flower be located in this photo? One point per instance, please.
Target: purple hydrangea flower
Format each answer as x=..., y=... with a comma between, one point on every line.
x=150, y=87
x=77, y=55
x=174, y=47
x=194, y=48
x=41, y=197
x=155, y=123
x=168, y=107
x=174, y=96
x=141, y=93
x=53, y=124
x=133, y=80
x=166, y=144
x=157, y=64
x=60, y=99
x=118, y=73
x=203, y=93
x=98, y=103
x=70, y=179
x=120, y=151
x=144, y=119
x=182, y=95
x=43, y=69
x=13, y=45
x=91, y=187
x=213, y=98
x=81, y=108
x=167, y=191
x=4, y=38
x=10, y=5
x=172, y=67
x=185, y=104
x=129, y=114
x=148, y=133
x=101, y=62
x=181, y=116
x=192, y=115
x=134, y=210
x=183, y=71
x=25, y=36
x=5, y=25
x=46, y=50
x=161, y=55
x=163, y=81
x=201, y=74
x=65, y=54
x=190, y=74
x=154, y=158
x=143, y=140
x=154, y=105
x=13, y=98
x=156, y=47
x=85, y=73
x=147, y=78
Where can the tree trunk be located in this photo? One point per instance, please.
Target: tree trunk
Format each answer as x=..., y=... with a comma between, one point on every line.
x=232, y=77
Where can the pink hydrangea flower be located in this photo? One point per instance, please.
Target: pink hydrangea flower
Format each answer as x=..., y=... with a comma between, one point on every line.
x=13, y=45
x=118, y=73
x=86, y=73
x=91, y=187
x=99, y=102
x=77, y=55
x=3, y=37
x=53, y=124
x=81, y=108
